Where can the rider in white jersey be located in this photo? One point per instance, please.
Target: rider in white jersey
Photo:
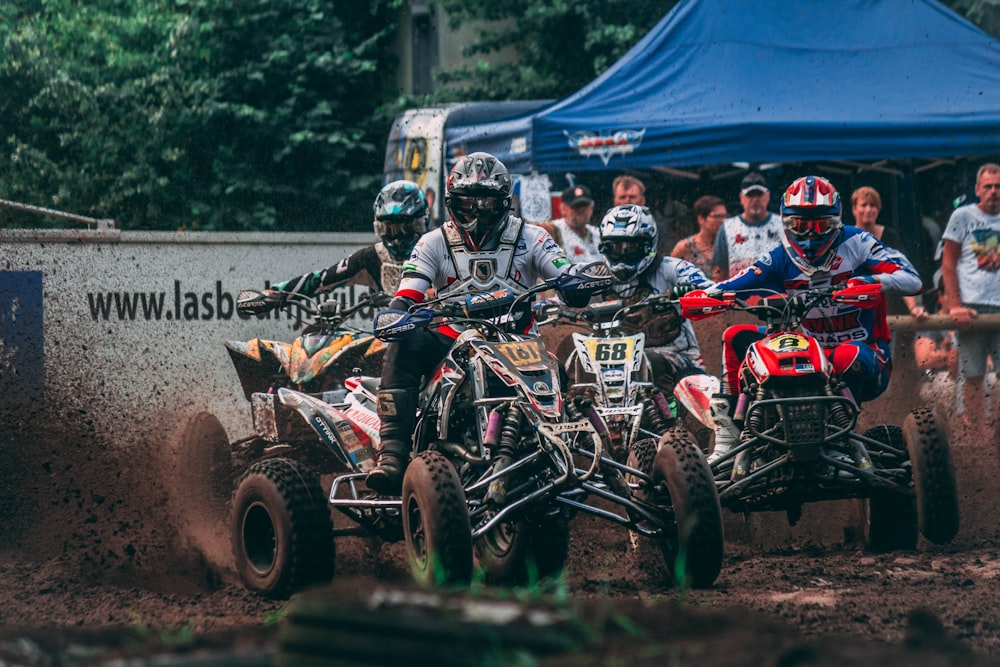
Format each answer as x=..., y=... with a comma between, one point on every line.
x=480, y=249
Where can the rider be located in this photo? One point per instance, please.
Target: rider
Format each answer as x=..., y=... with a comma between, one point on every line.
x=818, y=251
x=629, y=245
x=482, y=248
x=400, y=210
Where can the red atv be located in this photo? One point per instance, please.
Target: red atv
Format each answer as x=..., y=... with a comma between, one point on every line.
x=798, y=441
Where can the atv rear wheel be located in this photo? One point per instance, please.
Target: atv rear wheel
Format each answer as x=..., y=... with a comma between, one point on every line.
x=693, y=545
x=933, y=475
x=280, y=528
x=889, y=520
x=523, y=552
x=436, y=522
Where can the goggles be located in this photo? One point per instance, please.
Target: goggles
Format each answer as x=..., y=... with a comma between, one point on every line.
x=629, y=252
x=802, y=227
x=396, y=228
x=472, y=206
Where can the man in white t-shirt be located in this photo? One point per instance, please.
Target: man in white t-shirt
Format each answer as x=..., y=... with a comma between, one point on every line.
x=743, y=238
x=970, y=268
x=573, y=231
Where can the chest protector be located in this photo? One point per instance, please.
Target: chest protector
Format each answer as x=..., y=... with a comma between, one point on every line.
x=661, y=328
x=391, y=269
x=483, y=271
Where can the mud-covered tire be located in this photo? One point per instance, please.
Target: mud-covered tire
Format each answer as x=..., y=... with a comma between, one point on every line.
x=694, y=545
x=522, y=552
x=205, y=471
x=280, y=528
x=933, y=475
x=640, y=457
x=436, y=526
x=889, y=520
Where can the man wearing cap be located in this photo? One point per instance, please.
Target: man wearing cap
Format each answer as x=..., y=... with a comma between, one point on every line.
x=745, y=237
x=573, y=231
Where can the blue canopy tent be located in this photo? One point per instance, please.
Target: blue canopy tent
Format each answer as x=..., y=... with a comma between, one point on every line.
x=725, y=81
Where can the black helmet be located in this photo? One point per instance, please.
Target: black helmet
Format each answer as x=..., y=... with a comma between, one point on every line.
x=400, y=217
x=478, y=196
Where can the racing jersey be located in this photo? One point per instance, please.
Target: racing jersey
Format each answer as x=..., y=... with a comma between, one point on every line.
x=516, y=259
x=667, y=330
x=858, y=253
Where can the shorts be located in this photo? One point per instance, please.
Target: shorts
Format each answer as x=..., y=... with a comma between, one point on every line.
x=975, y=346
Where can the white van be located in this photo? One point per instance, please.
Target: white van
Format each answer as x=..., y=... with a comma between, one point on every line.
x=419, y=150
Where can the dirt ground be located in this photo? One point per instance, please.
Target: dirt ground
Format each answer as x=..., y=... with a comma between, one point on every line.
x=107, y=556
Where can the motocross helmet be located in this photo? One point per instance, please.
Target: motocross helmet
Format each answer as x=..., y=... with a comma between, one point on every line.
x=628, y=240
x=477, y=196
x=810, y=212
x=400, y=217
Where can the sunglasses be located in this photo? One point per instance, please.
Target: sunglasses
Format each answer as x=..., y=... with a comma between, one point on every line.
x=807, y=226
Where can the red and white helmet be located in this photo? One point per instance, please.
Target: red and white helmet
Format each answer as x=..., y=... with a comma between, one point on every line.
x=810, y=212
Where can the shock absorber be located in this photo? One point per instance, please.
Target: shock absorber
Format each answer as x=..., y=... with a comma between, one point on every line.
x=838, y=413
x=654, y=414
x=506, y=449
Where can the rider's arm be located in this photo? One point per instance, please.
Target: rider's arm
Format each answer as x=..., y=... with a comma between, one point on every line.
x=316, y=282
x=765, y=276
x=682, y=272
x=429, y=265
x=891, y=268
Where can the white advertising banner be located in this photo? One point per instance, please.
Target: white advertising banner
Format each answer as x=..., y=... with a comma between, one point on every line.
x=125, y=331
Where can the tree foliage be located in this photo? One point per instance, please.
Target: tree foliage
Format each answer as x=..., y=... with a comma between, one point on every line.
x=177, y=114
x=560, y=46
x=259, y=114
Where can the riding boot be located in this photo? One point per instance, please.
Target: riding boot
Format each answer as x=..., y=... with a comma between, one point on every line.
x=397, y=410
x=727, y=434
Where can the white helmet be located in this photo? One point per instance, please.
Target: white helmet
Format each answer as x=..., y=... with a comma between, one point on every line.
x=628, y=240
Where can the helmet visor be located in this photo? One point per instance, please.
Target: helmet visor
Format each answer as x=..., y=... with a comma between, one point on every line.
x=804, y=227
x=625, y=252
x=392, y=228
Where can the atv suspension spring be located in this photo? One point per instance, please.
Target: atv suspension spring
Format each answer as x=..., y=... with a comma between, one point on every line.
x=839, y=415
x=510, y=432
x=496, y=494
x=656, y=420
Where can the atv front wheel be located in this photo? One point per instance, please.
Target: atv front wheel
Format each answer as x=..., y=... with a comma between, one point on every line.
x=693, y=545
x=889, y=520
x=523, y=552
x=280, y=527
x=933, y=475
x=436, y=522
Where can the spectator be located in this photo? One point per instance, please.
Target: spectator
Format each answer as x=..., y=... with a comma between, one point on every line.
x=936, y=350
x=970, y=267
x=630, y=190
x=698, y=248
x=866, y=204
x=573, y=231
x=745, y=237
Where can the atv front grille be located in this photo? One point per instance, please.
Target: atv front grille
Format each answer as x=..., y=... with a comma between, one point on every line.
x=805, y=423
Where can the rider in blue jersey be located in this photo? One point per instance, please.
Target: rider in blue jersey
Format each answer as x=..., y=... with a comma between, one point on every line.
x=818, y=251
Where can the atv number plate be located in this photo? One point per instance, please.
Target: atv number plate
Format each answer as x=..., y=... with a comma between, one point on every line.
x=789, y=343
x=614, y=350
x=521, y=353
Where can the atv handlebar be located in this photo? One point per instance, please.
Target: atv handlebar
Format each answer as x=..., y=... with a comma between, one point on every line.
x=604, y=314
x=330, y=313
x=779, y=309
